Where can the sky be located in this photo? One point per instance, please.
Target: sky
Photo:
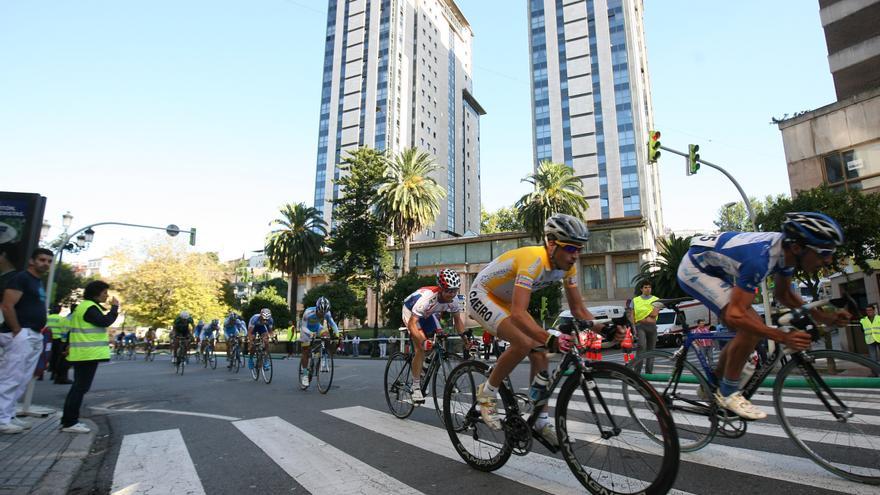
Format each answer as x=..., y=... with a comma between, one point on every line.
x=205, y=113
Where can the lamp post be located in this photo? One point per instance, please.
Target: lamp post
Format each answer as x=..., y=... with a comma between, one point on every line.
x=377, y=272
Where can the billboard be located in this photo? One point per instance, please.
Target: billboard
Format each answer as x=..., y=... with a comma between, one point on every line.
x=21, y=219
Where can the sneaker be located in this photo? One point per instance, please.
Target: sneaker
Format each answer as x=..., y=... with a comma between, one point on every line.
x=740, y=406
x=21, y=422
x=488, y=411
x=77, y=428
x=250, y=363
x=304, y=378
x=10, y=428
x=548, y=433
x=417, y=396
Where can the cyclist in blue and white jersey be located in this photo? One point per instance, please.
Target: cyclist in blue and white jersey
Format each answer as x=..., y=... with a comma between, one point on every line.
x=723, y=270
x=209, y=333
x=231, y=332
x=420, y=310
x=312, y=322
x=262, y=324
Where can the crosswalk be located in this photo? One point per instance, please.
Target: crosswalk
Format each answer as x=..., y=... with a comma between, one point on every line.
x=765, y=456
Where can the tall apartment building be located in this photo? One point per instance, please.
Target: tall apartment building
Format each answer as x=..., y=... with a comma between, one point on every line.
x=591, y=103
x=397, y=74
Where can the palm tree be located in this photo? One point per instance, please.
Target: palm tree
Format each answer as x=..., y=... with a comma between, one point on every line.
x=295, y=247
x=663, y=272
x=409, y=198
x=557, y=190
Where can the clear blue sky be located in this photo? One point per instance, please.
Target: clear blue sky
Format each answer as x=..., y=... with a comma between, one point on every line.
x=204, y=113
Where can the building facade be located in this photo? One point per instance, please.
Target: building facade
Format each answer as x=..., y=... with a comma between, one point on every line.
x=852, y=35
x=591, y=103
x=398, y=74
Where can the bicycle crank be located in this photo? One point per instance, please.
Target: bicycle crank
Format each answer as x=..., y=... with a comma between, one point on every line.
x=519, y=434
x=730, y=425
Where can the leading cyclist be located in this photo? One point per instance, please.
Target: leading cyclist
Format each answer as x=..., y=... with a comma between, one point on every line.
x=262, y=324
x=312, y=322
x=420, y=310
x=723, y=270
x=182, y=326
x=499, y=301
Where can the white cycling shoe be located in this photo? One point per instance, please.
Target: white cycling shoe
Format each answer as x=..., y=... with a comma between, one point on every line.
x=488, y=408
x=740, y=406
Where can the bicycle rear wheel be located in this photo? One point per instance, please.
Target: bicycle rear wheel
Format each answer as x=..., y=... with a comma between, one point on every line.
x=398, y=385
x=601, y=442
x=266, y=368
x=806, y=393
x=441, y=376
x=689, y=400
x=325, y=378
x=481, y=447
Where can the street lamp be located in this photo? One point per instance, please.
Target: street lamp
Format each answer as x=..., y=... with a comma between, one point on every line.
x=66, y=220
x=44, y=229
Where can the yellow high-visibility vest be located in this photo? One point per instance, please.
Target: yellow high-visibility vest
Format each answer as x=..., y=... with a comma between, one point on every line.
x=872, y=329
x=642, y=307
x=87, y=342
x=58, y=326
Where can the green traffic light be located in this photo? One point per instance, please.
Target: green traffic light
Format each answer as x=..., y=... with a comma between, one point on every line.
x=693, y=159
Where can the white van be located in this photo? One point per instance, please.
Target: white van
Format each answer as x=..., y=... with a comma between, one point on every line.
x=598, y=312
x=669, y=325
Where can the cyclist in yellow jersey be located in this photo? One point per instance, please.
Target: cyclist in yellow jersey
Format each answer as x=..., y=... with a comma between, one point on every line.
x=499, y=301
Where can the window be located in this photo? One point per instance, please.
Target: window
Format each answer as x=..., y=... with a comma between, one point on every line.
x=594, y=276
x=625, y=273
x=858, y=168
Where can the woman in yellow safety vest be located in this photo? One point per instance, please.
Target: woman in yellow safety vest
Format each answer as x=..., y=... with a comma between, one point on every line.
x=871, y=326
x=88, y=346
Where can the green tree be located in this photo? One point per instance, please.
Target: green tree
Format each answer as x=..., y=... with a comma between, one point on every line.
x=270, y=299
x=409, y=198
x=557, y=190
x=663, y=271
x=358, y=239
x=295, y=247
x=392, y=299
x=344, y=303
x=503, y=219
x=736, y=218
x=66, y=284
x=229, y=299
x=553, y=295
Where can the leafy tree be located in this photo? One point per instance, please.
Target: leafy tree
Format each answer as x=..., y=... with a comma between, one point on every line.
x=663, y=272
x=736, y=217
x=269, y=298
x=295, y=247
x=392, y=299
x=344, y=303
x=169, y=281
x=358, y=239
x=228, y=290
x=66, y=283
x=553, y=295
x=501, y=220
x=557, y=190
x=409, y=198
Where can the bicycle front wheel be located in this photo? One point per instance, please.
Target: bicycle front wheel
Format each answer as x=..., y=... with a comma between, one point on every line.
x=212, y=359
x=258, y=363
x=398, y=385
x=441, y=376
x=266, y=367
x=688, y=397
x=324, y=368
x=236, y=359
x=481, y=447
x=827, y=404
x=602, y=442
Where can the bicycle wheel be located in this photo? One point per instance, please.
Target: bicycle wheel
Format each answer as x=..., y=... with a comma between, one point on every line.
x=258, y=363
x=806, y=392
x=481, y=447
x=601, y=442
x=181, y=361
x=689, y=400
x=213, y=359
x=441, y=375
x=398, y=384
x=324, y=368
x=266, y=368
x=236, y=359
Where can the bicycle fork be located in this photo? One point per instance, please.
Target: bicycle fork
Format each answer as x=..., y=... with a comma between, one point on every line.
x=589, y=385
x=822, y=390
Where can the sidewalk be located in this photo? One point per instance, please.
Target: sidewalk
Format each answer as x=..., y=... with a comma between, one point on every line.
x=42, y=460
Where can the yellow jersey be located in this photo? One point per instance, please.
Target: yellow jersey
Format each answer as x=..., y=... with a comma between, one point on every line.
x=527, y=267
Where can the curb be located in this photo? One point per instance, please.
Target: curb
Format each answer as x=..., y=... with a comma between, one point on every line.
x=60, y=476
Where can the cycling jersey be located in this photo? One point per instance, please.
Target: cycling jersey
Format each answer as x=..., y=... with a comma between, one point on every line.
x=425, y=305
x=260, y=327
x=232, y=326
x=208, y=331
x=182, y=325
x=311, y=323
x=198, y=330
x=130, y=338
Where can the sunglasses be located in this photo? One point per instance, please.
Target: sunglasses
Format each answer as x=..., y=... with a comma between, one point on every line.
x=569, y=248
x=823, y=252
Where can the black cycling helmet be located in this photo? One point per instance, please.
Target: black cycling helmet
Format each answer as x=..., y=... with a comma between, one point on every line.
x=566, y=228
x=812, y=229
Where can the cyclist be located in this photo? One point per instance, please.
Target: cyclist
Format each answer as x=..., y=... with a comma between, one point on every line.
x=209, y=333
x=723, y=271
x=312, y=322
x=119, y=345
x=180, y=331
x=420, y=310
x=230, y=331
x=197, y=335
x=130, y=340
x=499, y=301
x=150, y=339
x=262, y=324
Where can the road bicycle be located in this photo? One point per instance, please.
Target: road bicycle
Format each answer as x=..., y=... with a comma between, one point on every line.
x=208, y=357
x=233, y=355
x=320, y=365
x=182, y=357
x=149, y=351
x=262, y=360
x=822, y=398
x=597, y=436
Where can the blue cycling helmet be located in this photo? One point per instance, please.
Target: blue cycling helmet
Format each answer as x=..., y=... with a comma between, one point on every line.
x=813, y=229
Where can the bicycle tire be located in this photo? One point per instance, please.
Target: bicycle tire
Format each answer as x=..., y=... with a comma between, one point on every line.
x=266, y=374
x=464, y=424
x=693, y=408
x=441, y=375
x=325, y=378
x=213, y=358
x=598, y=472
x=258, y=364
x=398, y=385
x=822, y=442
x=236, y=359
x=181, y=362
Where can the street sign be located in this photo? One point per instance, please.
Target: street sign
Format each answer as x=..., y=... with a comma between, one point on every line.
x=172, y=230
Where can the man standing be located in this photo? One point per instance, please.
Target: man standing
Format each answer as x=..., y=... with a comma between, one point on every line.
x=383, y=345
x=24, y=311
x=871, y=326
x=58, y=326
x=644, y=319
x=355, y=345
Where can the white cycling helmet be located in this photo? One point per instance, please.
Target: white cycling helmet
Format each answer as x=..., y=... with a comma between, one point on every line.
x=184, y=314
x=265, y=313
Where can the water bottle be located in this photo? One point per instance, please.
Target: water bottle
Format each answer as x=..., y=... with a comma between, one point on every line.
x=538, y=390
x=748, y=369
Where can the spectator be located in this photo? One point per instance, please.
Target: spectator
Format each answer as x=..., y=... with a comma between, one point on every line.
x=24, y=312
x=643, y=315
x=8, y=260
x=393, y=341
x=871, y=326
x=58, y=326
x=355, y=345
x=88, y=347
x=706, y=345
x=383, y=345
x=487, y=344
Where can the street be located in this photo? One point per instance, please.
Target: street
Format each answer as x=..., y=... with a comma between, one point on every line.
x=212, y=431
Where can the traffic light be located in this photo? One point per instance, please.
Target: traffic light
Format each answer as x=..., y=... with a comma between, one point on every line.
x=653, y=146
x=192, y=236
x=693, y=164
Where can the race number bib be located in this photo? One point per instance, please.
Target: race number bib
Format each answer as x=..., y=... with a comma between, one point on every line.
x=706, y=241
